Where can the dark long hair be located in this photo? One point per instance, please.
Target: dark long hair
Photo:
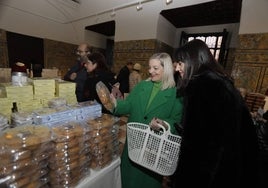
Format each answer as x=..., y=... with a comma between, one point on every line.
x=99, y=59
x=197, y=59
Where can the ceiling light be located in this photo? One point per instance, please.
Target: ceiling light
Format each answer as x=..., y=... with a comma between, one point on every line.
x=168, y=1
x=139, y=6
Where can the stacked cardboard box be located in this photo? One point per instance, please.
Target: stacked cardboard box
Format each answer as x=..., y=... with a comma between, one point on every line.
x=50, y=73
x=66, y=90
x=44, y=89
x=18, y=93
x=21, y=95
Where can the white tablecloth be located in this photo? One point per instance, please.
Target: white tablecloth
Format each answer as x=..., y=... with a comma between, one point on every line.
x=108, y=177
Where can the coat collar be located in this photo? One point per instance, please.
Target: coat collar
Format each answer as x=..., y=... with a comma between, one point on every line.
x=161, y=97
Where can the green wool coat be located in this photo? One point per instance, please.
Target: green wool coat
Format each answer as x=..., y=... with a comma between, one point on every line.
x=164, y=106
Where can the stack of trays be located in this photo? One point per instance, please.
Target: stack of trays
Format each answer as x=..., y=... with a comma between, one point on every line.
x=87, y=110
x=70, y=158
x=24, y=156
x=81, y=111
x=104, y=141
x=53, y=115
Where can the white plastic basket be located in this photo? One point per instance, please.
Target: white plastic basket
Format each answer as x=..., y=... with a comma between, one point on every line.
x=154, y=150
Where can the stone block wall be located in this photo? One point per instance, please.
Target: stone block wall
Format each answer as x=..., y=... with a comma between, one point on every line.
x=59, y=55
x=250, y=69
x=3, y=50
x=137, y=51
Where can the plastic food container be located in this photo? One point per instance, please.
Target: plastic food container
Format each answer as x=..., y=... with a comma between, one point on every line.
x=19, y=78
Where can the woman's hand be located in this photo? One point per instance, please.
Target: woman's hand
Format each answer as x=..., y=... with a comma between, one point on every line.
x=154, y=124
x=117, y=93
x=113, y=100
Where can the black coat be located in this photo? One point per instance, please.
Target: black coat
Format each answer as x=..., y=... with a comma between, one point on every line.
x=80, y=80
x=219, y=142
x=123, y=79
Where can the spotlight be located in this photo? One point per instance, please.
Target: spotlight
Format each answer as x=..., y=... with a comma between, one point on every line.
x=139, y=6
x=168, y=1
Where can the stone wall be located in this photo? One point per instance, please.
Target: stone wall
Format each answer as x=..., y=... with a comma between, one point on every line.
x=3, y=50
x=137, y=51
x=250, y=69
x=59, y=55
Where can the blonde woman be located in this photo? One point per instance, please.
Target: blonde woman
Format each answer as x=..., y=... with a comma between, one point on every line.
x=150, y=102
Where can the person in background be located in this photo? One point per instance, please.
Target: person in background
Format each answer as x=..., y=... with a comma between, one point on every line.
x=134, y=76
x=19, y=67
x=123, y=77
x=150, y=102
x=219, y=145
x=35, y=68
x=78, y=73
x=98, y=70
x=260, y=118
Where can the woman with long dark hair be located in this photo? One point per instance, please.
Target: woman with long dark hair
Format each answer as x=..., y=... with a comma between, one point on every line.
x=219, y=142
x=98, y=70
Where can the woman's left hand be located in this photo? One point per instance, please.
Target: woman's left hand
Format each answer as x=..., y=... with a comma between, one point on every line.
x=154, y=124
x=117, y=93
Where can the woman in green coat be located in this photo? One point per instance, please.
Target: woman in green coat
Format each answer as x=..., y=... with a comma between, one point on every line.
x=150, y=102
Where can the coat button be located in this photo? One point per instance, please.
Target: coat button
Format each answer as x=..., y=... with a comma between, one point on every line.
x=145, y=117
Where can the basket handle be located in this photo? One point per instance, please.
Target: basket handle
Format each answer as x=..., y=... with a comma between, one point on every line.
x=165, y=132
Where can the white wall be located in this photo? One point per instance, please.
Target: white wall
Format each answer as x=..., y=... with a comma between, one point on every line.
x=254, y=17
x=130, y=24
x=166, y=32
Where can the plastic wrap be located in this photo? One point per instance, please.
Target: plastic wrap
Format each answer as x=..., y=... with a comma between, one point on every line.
x=104, y=141
x=104, y=96
x=87, y=110
x=70, y=153
x=53, y=115
x=57, y=102
x=3, y=122
x=21, y=118
x=24, y=156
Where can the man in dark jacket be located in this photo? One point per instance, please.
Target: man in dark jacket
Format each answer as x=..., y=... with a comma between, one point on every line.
x=78, y=73
x=123, y=77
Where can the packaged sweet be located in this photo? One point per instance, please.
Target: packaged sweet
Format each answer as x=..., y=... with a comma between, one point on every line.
x=104, y=96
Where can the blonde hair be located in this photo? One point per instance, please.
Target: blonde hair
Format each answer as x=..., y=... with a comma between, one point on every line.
x=166, y=63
